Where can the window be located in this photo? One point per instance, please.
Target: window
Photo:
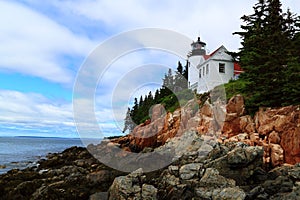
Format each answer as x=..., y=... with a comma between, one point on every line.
x=203, y=71
x=222, y=67
x=199, y=73
x=207, y=69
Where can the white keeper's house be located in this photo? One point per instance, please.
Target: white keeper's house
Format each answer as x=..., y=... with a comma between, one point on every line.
x=206, y=71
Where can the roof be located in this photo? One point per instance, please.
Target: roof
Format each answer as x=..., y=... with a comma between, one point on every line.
x=199, y=42
x=206, y=57
x=237, y=67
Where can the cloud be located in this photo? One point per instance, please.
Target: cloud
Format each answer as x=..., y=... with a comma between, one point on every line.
x=31, y=108
x=34, y=44
x=27, y=113
x=215, y=20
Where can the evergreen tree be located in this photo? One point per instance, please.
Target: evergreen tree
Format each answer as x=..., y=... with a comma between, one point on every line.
x=150, y=97
x=167, y=84
x=156, y=96
x=180, y=82
x=141, y=102
x=134, y=111
x=265, y=53
x=185, y=71
x=170, y=80
x=291, y=88
x=128, y=124
x=179, y=68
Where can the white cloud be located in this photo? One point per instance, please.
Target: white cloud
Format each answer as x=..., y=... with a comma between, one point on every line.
x=215, y=20
x=33, y=44
x=30, y=108
x=29, y=112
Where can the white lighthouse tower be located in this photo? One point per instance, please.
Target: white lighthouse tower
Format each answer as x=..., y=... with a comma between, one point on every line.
x=206, y=71
x=195, y=57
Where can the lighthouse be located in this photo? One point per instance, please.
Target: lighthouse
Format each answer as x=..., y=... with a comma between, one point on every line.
x=206, y=71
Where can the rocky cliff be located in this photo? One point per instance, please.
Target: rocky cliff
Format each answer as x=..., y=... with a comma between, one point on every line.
x=201, y=151
x=277, y=130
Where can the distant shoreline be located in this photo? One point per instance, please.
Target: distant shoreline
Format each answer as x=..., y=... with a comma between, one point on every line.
x=45, y=137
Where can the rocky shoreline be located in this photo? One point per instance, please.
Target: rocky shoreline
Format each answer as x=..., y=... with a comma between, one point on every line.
x=229, y=171
x=244, y=158
x=71, y=174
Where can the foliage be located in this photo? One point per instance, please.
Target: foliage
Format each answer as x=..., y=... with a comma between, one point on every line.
x=270, y=57
x=174, y=88
x=232, y=88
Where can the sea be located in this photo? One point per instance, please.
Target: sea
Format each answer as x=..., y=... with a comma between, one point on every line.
x=22, y=152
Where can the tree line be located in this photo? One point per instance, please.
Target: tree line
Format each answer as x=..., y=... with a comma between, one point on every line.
x=171, y=83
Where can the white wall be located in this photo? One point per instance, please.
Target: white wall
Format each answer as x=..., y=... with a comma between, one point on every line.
x=214, y=77
x=192, y=70
x=217, y=78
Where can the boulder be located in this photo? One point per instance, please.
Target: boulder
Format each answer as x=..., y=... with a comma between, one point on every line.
x=211, y=178
x=231, y=127
x=281, y=126
x=274, y=137
x=254, y=138
x=157, y=111
x=207, y=109
x=190, y=171
x=100, y=177
x=149, y=192
x=123, y=187
x=290, y=142
x=236, y=105
x=99, y=196
x=231, y=193
x=173, y=169
x=132, y=187
x=247, y=124
x=276, y=154
x=239, y=163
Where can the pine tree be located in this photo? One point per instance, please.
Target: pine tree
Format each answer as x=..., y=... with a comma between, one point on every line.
x=185, y=72
x=168, y=84
x=291, y=88
x=179, y=68
x=180, y=82
x=128, y=124
x=265, y=53
x=141, y=102
x=156, y=96
x=170, y=80
x=134, y=111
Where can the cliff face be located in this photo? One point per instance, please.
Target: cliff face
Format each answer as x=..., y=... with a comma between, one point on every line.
x=277, y=130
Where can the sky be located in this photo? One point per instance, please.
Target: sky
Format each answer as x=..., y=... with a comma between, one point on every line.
x=44, y=44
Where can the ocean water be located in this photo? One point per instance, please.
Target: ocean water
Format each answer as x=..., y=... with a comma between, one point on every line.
x=21, y=152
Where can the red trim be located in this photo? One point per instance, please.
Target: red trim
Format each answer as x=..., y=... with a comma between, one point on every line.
x=206, y=57
x=237, y=68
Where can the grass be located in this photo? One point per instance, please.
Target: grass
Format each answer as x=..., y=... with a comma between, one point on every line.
x=231, y=88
